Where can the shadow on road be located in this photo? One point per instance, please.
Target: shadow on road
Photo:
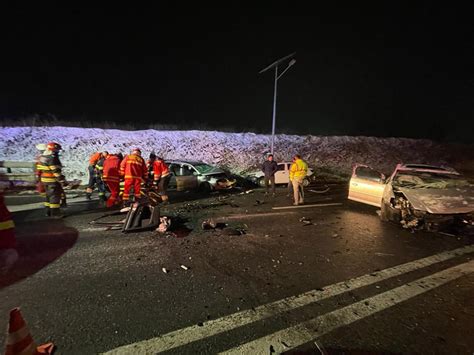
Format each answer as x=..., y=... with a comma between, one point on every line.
x=39, y=244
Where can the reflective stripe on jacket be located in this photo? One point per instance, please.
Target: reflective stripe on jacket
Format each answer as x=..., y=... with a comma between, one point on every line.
x=298, y=169
x=111, y=167
x=160, y=169
x=133, y=167
x=49, y=169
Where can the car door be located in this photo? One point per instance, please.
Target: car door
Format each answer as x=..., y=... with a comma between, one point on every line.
x=366, y=185
x=185, y=177
x=172, y=168
x=281, y=176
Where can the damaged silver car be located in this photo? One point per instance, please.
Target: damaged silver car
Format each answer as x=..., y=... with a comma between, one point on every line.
x=416, y=196
x=189, y=175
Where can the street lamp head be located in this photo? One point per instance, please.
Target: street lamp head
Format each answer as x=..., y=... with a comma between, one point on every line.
x=293, y=61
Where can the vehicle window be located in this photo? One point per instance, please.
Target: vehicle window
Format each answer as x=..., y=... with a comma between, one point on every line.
x=281, y=167
x=174, y=169
x=368, y=173
x=185, y=170
x=203, y=168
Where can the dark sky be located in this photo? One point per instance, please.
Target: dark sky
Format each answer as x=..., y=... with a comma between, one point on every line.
x=383, y=70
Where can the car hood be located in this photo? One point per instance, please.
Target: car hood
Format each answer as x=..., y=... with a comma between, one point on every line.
x=441, y=201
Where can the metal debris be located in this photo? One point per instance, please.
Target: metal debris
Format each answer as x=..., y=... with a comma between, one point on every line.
x=165, y=223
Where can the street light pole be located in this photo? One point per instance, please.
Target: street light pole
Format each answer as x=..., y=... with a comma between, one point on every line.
x=275, y=65
x=274, y=108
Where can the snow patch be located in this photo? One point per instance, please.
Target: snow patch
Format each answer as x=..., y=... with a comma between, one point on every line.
x=237, y=152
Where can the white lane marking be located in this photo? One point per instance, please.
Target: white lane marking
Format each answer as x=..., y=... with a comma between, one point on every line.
x=307, y=206
x=305, y=332
x=193, y=333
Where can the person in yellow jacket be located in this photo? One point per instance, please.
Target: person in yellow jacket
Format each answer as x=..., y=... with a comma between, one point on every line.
x=298, y=172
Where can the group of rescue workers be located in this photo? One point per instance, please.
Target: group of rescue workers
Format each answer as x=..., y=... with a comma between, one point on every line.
x=118, y=179
x=124, y=177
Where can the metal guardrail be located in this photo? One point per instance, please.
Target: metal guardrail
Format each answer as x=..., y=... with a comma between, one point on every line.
x=7, y=171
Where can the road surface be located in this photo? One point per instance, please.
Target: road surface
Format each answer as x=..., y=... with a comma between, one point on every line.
x=341, y=282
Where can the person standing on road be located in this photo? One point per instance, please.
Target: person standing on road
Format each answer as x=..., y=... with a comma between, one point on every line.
x=94, y=159
x=149, y=166
x=134, y=171
x=298, y=172
x=49, y=167
x=161, y=178
x=269, y=168
x=111, y=177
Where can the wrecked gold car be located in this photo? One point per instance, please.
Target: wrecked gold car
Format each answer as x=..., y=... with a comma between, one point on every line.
x=189, y=175
x=416, y=196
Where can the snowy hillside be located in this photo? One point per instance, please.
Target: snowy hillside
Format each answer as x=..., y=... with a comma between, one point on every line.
x=238, y=152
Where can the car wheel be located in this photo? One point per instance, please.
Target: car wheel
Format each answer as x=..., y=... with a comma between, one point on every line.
x=261, y=182
x=305, y=182
x=205, y=187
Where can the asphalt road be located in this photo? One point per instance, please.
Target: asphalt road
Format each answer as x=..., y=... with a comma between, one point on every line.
x=344, y=282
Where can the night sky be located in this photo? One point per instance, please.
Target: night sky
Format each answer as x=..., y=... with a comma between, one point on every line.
x=382, y=70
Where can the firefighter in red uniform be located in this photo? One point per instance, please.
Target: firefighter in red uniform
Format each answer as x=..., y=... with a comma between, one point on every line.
x=50, y=167
x=161, y=178
x=8, y=253
x=149, y=166
x=134, y=171
x=111, y=176
x=94, y=159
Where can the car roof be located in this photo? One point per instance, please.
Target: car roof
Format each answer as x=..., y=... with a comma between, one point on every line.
x=185, y=162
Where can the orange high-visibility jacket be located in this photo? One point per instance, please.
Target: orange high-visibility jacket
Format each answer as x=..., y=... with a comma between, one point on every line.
x=133, y=167
x=94, y=158
x=111, y=170
x=160, y=169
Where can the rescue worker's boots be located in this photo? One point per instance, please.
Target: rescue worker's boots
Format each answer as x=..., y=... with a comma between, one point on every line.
x=47, y=212
x=63, y=203
x=89, y=193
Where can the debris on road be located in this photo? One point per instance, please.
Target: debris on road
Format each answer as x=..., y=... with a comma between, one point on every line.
x=184, y=267
x=165, y=223
x=258, y=202
x=164, y=270
x=306, y=221
x=210, y=223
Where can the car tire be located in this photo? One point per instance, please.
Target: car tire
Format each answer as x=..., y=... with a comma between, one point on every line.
x=306, y=182
x=261, y=182
x=205, y=187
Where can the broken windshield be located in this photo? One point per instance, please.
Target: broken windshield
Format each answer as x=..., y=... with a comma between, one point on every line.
x=204, y=168
x=428, y=180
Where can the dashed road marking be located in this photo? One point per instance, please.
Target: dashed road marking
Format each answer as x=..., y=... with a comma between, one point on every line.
x=210, y=328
